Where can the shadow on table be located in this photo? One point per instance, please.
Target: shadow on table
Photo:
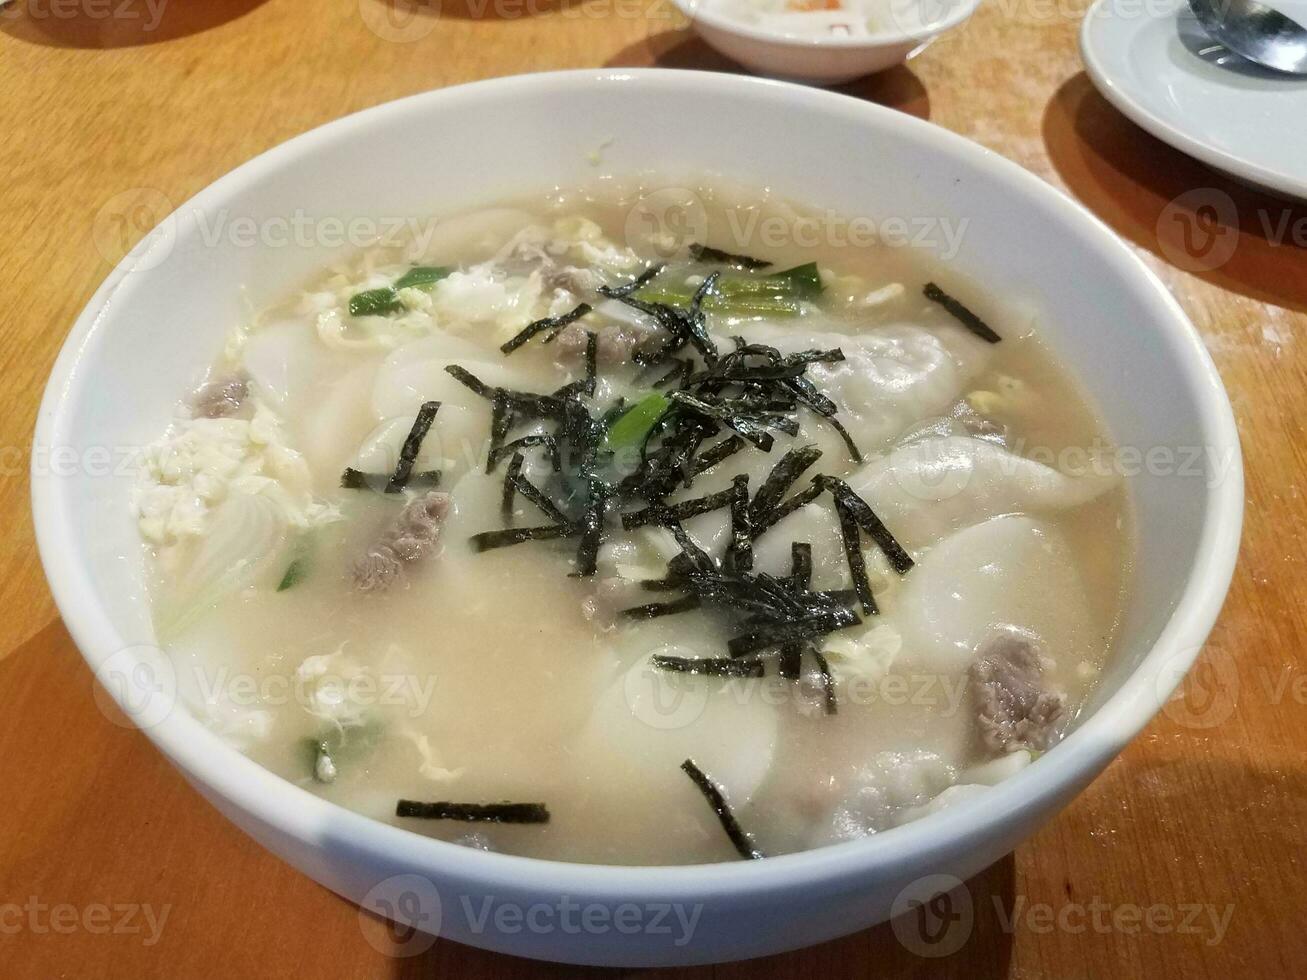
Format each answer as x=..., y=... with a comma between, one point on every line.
x=1240, y=239
x=897, y=88
x=115, y=23
x=981, y=950
x=479, y=9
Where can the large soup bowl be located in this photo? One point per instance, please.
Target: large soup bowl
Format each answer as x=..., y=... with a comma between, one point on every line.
x=161, y=317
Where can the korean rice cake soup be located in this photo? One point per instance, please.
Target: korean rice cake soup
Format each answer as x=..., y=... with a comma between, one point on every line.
x=564, y=532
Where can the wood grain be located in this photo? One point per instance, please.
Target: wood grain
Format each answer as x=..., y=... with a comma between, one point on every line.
x=1206, y=810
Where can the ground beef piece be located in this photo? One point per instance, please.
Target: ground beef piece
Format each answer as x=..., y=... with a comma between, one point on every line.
x=1013, y=707
x=220, y=398
x=616, y=342
x=529, y=257
x=412, y=537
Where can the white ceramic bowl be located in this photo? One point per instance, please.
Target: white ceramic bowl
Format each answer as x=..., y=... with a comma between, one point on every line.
x=147, y=332
x=907, y=27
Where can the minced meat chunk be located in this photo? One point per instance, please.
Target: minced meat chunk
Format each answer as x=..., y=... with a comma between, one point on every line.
x=1014, y=709
x=220, y=398
x=411, y=538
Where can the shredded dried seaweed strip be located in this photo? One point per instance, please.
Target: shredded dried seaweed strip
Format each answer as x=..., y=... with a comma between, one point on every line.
x=352, y=479
x=857, y=563
x=474, y=812
x=627, y=288
x=713, y=455
x=500, y=419
x=740, y=551
x=790, y=665
x=832, y=355
x=653, y=610
x=554, y=324
x=783, y=475
x=526, y=442
x=671, y=463
x=772, y=636
x=682, y=326
x=806, y=392
x=528, y=403
x=800, y=566
x=698, y=323
x=488, y=540
x=706, y=253
x=742, y=842
x=861, y=512
x=751, y=429
x=801, y=499
x=592, y=529
x=682, y=510
x=712, y=667
x=510, y=490
x=470, y=380
x=408, y=453
x=854, y=451
x=827, y=681
x=681, y=369
x=668, y=584
x=591, y=362
x=960, y=313
x=534, y=494
x=695, y=557
x=706, y=288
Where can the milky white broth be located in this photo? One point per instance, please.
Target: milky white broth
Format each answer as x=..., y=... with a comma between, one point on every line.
x=496, y=676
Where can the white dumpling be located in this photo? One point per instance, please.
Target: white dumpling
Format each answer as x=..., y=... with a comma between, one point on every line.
x=1008, y=571
x=890, y=378
x=936, y=485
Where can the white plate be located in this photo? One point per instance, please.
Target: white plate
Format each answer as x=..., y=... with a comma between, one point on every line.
x=1155, y=63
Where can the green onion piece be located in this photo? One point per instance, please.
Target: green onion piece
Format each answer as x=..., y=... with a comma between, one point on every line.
x=422, y=277
x=295, y=573
x=298, y=568
x=738, y=306
x=375, y=302
x=636, y=422
x=802, y=281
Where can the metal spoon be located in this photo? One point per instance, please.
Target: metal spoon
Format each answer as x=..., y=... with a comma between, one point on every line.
x=1255, y=31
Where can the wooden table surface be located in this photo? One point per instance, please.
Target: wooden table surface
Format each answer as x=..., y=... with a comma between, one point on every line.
x=1182, y=860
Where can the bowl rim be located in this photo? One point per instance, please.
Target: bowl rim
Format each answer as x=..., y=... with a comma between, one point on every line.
x=705, y=12
x=288, y=809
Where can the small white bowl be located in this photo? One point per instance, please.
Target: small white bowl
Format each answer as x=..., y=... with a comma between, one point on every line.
x=164, y=313
x=828, y=59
